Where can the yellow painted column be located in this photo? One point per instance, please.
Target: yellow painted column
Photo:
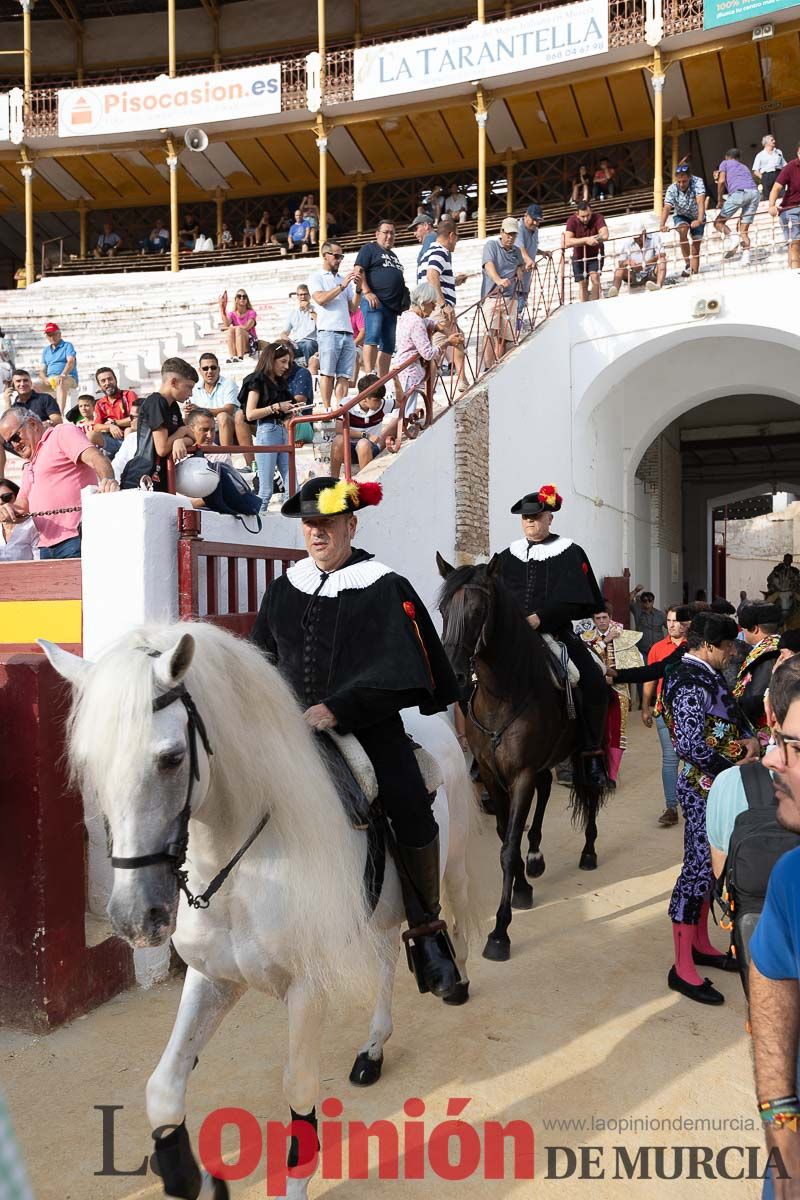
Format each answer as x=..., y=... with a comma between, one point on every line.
x=220, y=203
x=481, y=117
x=82, y=213
x=322, y=147
x=482, y=11
x=658, y=132
x=360, y=185
x=509, y=181
x=171, y=38
x=27, y=175
x=174, y=248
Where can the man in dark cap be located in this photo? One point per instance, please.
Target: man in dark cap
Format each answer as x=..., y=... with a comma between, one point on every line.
x=760, y=624
x=551, y=577
x=357, y=645
x=784, y=578
x=709, y=733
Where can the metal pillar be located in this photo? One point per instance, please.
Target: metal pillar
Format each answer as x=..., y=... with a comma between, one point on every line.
x=360, y=185
x=171, y=37
x=26, y=170
x=82, y=214
x=509, y=181
x=174, y=248
x=481, y=117
x=322, y=146
x=220, y=203
x=658, y=131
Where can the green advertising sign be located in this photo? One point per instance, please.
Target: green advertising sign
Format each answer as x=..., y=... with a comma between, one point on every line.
x=726, y=12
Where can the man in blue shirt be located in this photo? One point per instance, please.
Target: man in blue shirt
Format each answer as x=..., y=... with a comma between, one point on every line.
x=299, y=234
x=775, y=952
x=58, y=369
x=217, y=396
x=424, y=233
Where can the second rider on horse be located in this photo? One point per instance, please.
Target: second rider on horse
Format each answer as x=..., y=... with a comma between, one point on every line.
x=553, y=581
x=357, y=645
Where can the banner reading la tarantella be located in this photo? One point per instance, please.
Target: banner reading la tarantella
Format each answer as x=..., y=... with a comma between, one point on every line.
x=725, y=12
x=482, y=51
x=244, y=92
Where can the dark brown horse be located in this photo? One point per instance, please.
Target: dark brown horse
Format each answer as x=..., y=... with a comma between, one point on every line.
x=517, y=726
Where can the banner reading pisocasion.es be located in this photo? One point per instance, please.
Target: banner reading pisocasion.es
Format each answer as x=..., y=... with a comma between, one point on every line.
x=245, y=93
x=482, y=51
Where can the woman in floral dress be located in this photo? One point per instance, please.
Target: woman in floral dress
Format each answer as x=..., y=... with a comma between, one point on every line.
x=710, y=734
x=414, y=336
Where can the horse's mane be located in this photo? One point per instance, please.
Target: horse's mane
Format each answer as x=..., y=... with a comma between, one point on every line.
x=517, y=656
x=264, y=759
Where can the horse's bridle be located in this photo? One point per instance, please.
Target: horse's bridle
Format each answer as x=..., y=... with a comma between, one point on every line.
x=175, y=852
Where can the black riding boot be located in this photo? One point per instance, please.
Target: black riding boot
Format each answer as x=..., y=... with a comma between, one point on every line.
x=593, y=760
x=430, y=952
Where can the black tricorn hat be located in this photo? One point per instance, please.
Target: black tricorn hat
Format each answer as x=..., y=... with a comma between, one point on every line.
x=329, y=497
x=757, y=613
x=546, y=499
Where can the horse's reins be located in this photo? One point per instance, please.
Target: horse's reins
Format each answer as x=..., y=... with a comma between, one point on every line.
x=175, y=852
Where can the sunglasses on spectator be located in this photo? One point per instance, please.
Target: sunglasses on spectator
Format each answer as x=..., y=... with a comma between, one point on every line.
x=12, y=441
x=7, y=498
x=210, y=367
x=330, y=254
x=782, y=743
x=241, y=296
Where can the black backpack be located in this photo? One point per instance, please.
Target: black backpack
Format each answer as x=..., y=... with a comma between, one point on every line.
x=757, y=842
x=235, y=497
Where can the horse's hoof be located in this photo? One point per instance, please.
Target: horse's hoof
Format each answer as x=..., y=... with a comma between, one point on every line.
x=496, y=950
x=522, y=898
x=459, y=994
x=212, y=1188
x=366, y=1070
x=588, y=861
x=534, y=867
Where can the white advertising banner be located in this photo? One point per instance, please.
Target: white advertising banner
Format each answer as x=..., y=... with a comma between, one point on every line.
x=166, y=103
x=480, y=52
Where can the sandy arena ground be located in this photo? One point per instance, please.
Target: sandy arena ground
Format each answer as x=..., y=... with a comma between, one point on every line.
x=579, y=1025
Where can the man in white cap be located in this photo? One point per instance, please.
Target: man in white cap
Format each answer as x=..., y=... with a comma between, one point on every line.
x=503, y=268
x=642, y=262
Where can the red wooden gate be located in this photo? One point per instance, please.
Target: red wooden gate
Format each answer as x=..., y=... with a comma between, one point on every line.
x=224, y=582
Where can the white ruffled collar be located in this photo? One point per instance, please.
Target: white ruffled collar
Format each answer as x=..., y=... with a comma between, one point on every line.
x=305, y=575
x=527, y=551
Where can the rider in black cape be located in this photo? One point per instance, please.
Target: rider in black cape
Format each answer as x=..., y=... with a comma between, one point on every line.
x=357, y=645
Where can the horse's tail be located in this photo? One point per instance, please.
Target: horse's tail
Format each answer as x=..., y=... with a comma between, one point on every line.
x=469, y=895
x=584, y=802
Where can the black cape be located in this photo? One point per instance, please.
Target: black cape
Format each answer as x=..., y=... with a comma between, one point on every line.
x=367, y=648
x=553, y=579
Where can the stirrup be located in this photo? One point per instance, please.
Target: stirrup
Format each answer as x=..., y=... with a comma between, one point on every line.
x=437, y=930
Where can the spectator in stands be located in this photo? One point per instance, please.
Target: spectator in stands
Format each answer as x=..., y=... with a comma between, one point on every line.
x=642, y=262
x=503, y=269
x=6, y=370
x=161, y=432
x=789, y=178
x=436, y=269
x=585, y=233
x=300, y=327
x=299, y=235
x=768, y=164
x=269, y=403
x=226, y=240
x=264, y=229
x=66, y=462
x=281, y=235
x=384, y=296
x=528, y=245
x=299, y=380
x=85, y=407
x=310, y=213
x=239, y=324
x=20, y=539
x=188, y=232
x=743, y=197
x=248, y=234
x=685, y=200
x=216, y=396
x=202, y=243
x=335, y=297
x=456, y=204
x=366, y=420
x=581, y=185
x=413, y=336
x=108, y=242
x=603, y=181
x=128, y=447
x=424, y=232
x=19, y=391
x=359, y=331
x=436, y=202
x=58, y=369
x=112, y=412
x=157, y=241
x=8, y=347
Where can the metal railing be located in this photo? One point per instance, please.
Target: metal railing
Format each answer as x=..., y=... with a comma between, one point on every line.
x=46, y=266
x=626, y=27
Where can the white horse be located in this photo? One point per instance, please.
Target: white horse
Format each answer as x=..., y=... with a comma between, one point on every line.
x=290, y=919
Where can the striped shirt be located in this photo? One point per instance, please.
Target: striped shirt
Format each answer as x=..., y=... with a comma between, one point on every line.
x=439, y=259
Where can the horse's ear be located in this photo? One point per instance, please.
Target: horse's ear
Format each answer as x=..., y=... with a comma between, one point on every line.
x=493, y=566
x=444, y=566
x=172, y=665
x=69, y=666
